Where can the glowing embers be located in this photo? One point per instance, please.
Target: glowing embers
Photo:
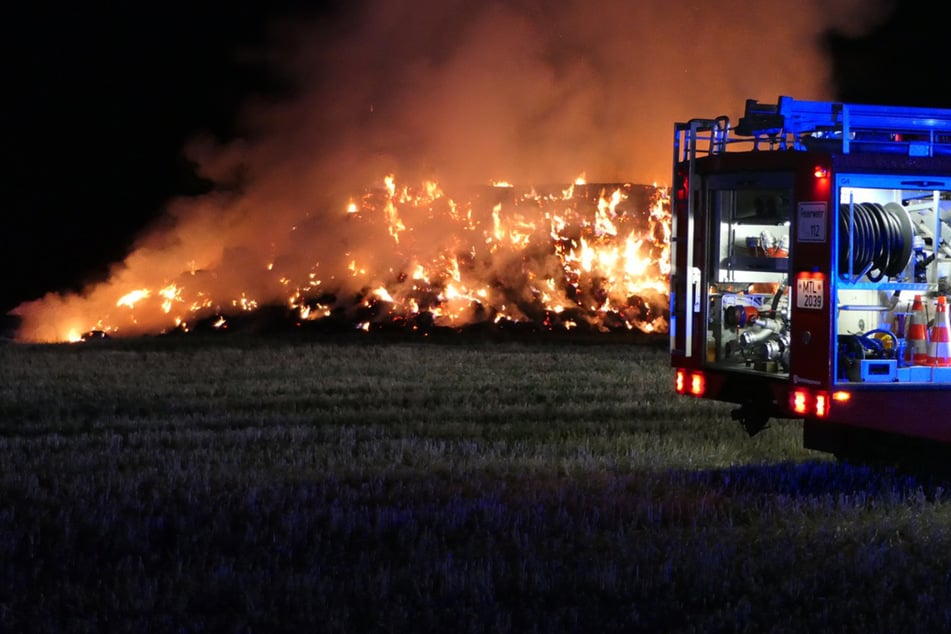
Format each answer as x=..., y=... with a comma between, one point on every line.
x=814, y=403
x=692, y=383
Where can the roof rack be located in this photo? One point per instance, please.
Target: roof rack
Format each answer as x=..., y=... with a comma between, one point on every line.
x=828, y=126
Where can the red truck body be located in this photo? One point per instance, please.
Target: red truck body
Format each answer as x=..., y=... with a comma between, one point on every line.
x=810, y=271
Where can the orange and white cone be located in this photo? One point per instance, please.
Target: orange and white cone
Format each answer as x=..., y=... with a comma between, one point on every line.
x=918, y=334
x=939, y=348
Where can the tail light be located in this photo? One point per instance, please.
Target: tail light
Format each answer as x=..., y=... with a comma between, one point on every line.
x=814, y=403
x=692, y=383
x=698, y=384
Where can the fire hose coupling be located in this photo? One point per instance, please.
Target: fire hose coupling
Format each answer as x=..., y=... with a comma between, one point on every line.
x=768, y=245
x=775, y=349
x=765, y=340
x=760, y=330
x=742, y=316
x=739, y=316
x=769, y=323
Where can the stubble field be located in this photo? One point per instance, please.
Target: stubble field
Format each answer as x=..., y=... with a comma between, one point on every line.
x=277, y=485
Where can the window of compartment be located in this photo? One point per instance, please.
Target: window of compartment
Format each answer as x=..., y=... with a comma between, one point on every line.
x=894, y=262
x=748, y=318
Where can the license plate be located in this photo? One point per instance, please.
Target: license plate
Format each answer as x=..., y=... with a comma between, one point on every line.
x=809, y=293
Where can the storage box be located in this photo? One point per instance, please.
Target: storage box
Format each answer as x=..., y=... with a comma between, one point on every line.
x=915, y=374
x=941, y=374
x=879, y=370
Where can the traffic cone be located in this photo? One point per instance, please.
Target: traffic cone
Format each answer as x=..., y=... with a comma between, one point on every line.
x=918, y=334
x=939, y=348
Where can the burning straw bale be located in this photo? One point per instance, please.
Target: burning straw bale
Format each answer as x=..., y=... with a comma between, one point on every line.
x=404, y=254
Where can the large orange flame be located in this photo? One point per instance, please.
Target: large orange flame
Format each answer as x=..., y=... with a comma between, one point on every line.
x=593, y=255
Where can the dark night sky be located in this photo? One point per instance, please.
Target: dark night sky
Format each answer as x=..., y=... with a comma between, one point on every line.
x=97, y=106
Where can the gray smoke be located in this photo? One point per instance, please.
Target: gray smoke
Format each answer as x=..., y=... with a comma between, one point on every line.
x=462, y=92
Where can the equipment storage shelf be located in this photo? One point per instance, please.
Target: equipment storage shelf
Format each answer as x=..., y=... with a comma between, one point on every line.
x=752, y=263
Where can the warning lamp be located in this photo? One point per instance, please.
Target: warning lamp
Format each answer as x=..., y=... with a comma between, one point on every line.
x=680, y=381
x=820, y=172
x=683, y=189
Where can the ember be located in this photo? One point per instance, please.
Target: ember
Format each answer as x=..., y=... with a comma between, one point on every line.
x=591, y=256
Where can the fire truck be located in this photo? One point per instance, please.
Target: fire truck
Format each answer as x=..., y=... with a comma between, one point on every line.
x=810, y=266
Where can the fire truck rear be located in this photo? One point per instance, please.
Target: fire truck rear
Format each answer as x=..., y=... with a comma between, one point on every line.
x=810, y=269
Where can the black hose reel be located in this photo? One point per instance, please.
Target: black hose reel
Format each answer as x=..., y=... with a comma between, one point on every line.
x=881, y=241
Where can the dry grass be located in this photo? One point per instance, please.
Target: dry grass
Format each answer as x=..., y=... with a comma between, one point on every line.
x=272, y=485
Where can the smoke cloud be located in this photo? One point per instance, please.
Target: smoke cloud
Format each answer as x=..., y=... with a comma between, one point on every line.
x=533, y=90
x=464, y=93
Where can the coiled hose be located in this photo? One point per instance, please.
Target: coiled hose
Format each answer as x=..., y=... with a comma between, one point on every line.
x=881, y=244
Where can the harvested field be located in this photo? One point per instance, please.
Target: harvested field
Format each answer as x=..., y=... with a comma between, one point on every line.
x=277, y=485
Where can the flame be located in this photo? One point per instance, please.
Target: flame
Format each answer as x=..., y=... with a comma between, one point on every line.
x=560, y=258
x=170, y=294
x=604, y=223
x=131, y=298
